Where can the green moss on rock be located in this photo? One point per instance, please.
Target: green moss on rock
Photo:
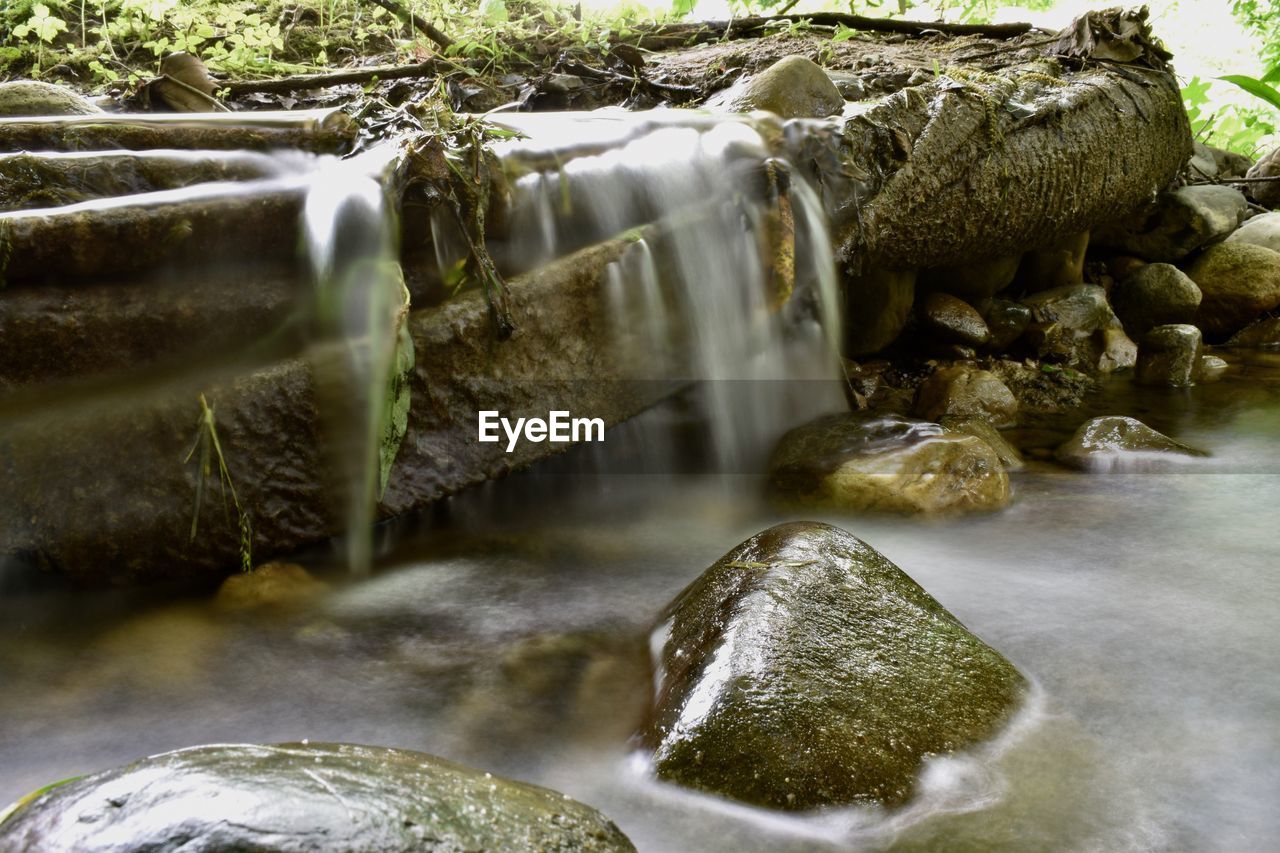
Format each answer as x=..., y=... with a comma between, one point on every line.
x=805, y=669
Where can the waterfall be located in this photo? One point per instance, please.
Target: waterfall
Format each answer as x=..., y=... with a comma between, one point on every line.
x=702, y=281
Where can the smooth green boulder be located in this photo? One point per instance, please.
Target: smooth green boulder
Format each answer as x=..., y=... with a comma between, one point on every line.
x=304, y=797
x=804, y=669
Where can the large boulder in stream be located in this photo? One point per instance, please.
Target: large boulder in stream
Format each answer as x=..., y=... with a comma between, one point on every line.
x=304, y=797
x=1240, y=281
x=886, y=464
x=804, y=669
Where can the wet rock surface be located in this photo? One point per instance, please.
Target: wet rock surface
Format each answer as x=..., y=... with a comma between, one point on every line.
x=805, y=669
x=1262, y=230
x=1067, y=324
x=304, y=797
x=1239, y=281
x=1264, y=333
x=949, y=318
x=1114, y=442
x=982, y=429
x=965, y=391
x=886, y=463
x=1169, y=355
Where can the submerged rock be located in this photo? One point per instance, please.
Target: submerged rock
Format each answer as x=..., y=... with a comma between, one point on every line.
x=1239, y=281
x=1113, y=441
x=966, y=392
x=300, y=797
x=889, y=463
x=792, y=87
x=270, y=585
x=33, y=98
x=1155, y=295
x=1169, y=355
x=1180, y=222
x=804, y=669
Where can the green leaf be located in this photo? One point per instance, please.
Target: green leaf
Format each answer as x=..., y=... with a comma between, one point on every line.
x=1254, y=87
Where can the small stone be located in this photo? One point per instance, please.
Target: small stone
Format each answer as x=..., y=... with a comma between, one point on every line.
x=966, y=392
x=1211, y=368
x=1169, y=355
x=1178, y=223
x=1266, y=193
x=1217, y=163
x=792, y=87
x=1113, y=442
x=953, y=320
x=1239, y=282
x=1155, y=295
x=1119, y=352
x=1261, y=230
x=886, y=464
x=1007, y=321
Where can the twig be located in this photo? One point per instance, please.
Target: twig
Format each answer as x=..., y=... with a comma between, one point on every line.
x=609, y=75
x=420, y=24
x=744, y=27
x=284, y=85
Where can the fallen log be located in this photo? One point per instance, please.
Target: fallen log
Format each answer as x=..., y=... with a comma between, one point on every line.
x=31, y=181
x=101, y=494
x=110, y=237
x=319, y=131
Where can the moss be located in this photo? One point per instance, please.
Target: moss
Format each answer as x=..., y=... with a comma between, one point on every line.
x=804, y=669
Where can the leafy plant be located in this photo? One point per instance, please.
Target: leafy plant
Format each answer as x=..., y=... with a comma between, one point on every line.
x=42, y=24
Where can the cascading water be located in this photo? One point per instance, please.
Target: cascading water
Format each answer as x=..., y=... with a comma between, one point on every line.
x=703, y=280
x=350, y=235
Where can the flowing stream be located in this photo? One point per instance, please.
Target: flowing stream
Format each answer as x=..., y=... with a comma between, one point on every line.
x=506, y=627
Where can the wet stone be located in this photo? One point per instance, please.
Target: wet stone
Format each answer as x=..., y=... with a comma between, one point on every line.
x=887, y=464
x=804, y=669
x=304, y=797
x=1169, y=355
x=1264, y=333
x=952, y=319
x=966, y=391
x=1113, y=442
x=1006, y=320
x=793, y=87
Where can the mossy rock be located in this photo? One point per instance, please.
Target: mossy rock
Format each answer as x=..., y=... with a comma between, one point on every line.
x=300, y=797
x=792, y=87
x=886, y=463
x=804, y=669
x=1115, y=442
x=33, y=98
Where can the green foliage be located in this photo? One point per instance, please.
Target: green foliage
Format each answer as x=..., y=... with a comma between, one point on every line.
x=1254, y=87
